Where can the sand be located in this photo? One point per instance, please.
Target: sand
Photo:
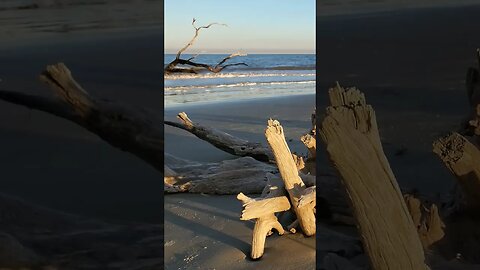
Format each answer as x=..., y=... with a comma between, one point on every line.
x=56, y=163
x=50, y=162
x=204, y=231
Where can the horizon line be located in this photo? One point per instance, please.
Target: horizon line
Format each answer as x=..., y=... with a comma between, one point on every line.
x=226, y=53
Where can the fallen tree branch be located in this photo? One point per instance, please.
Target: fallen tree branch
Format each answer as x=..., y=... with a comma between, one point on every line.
x=223, y=140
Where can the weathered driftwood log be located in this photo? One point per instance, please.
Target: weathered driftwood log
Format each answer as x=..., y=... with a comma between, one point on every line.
x=263, y=210
x=131, y=130
x=462, y=158
x=353, y=143
x=227, y=177
x=223, y=140
x=250, y=177
x=427, y=221
x=194, y=66
x=288, y=170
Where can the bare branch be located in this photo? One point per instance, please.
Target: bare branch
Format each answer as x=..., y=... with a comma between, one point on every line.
x=191, y=58
x=172, y=66
x=197, y=30
x=229, y=57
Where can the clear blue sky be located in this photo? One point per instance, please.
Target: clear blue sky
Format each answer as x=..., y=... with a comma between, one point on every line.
x=254, y=26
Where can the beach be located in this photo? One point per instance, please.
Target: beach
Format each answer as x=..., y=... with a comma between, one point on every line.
x=50, y=162
x=410, y=63
x=205, y=231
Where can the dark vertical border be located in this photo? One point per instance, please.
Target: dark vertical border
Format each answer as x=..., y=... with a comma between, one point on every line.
x=161, y=47
x=318, y=107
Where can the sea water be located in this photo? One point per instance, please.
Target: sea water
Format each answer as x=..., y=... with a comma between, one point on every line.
x=266, y=75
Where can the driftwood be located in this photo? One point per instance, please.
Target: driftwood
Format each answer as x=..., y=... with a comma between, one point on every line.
x=308, y=166
x=272, y=200
x=462, y=158
x=429, y=225
x=227, y=177
x=461, y=155
x=263, y=210
x=130, y=130
x=223, y=140
x=194, y=66
x=351, y=135
x=460, y=152
x=288, y=170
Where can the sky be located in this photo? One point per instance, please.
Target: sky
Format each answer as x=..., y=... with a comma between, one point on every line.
x=254, y=26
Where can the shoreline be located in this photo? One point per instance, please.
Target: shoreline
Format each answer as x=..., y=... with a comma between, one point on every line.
x=261, y=99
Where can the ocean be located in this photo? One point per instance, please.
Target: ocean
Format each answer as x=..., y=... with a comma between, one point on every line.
x=266, y=75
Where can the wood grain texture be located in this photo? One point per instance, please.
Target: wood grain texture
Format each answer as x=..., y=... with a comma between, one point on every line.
x=350, y=133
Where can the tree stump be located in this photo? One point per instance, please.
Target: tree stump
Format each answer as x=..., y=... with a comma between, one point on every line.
x=353, y=143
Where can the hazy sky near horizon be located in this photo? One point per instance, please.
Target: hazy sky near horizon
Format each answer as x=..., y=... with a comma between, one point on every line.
x=254, y=26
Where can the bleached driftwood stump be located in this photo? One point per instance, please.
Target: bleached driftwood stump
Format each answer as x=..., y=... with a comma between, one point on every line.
x=272, y=200
x=353, y=143
x=293, y=183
